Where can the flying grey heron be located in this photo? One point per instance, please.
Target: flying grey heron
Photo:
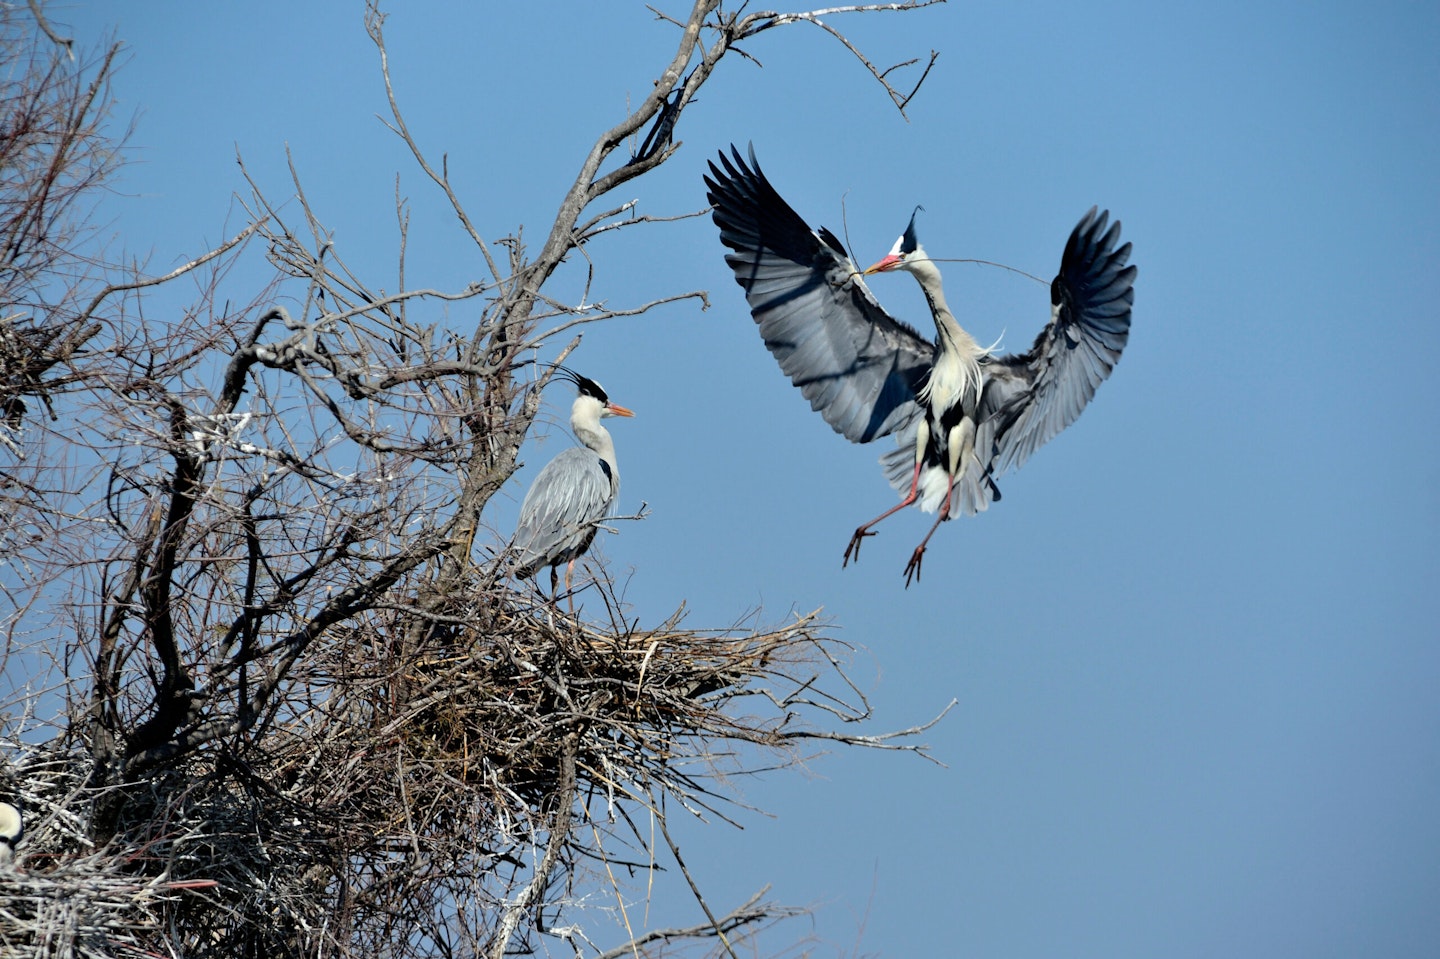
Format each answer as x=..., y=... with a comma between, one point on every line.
x=573, y=492
x=12, y=827
x=962, y=416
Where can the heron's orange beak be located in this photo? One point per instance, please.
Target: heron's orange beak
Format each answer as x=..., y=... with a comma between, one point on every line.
x=889, y=263
x=614, y=410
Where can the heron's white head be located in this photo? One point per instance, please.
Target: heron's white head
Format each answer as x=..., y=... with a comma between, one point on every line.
x=593, y=397
x=591, y=405
x=906, y=252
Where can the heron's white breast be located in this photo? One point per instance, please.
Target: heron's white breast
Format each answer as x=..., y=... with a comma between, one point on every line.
x=953, y=379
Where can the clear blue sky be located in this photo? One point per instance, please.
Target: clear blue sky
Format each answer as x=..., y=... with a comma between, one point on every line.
x=1195, y=647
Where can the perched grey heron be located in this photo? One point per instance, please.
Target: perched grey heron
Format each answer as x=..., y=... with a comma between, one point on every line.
x=962, y=416
x=573, y=492
x=12, y=827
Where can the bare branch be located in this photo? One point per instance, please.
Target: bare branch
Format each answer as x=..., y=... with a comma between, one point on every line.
x=757, y=23
x=694, y=889
x=559, y=832
x=176, y=273
x=374, y=26
x=67, y=43
x=752, y=911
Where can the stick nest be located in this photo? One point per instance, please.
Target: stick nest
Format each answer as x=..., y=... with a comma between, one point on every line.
x=641, y=708
x=429, y=769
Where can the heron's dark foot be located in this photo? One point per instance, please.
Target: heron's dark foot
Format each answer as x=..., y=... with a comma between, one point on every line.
x=853, y=550
x=912, y=568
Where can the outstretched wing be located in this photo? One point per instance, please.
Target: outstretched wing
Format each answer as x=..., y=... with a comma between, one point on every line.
x=1029, y=397
x=858, y=367
x=557, y=518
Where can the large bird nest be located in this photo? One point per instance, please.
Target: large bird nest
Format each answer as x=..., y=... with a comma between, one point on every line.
x=640, y=709
x=431, y=769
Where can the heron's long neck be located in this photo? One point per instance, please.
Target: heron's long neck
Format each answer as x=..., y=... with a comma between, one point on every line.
x=585, y=422
x=957, y=367
x=952, y=336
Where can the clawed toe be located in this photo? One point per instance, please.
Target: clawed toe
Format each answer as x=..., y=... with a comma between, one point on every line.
x=853, y=550
x=912, y=568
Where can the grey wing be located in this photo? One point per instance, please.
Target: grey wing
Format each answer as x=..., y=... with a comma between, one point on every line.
x=1032, y=396
x=858, y=367
x=557, y=518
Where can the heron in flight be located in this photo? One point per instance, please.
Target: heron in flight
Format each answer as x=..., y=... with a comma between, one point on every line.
x=573, y=493
x=962, y=416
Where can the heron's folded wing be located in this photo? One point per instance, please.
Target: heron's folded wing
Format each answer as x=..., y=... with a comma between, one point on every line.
x=571, y=493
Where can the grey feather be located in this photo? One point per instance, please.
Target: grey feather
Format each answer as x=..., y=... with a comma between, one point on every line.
x=557, y=519
x=1032, y=396
x=859, y=367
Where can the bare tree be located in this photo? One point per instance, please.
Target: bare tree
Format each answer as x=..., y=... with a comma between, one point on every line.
x=53, y=158
x=302, y=718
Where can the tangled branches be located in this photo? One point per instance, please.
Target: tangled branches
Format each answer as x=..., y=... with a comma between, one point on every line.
x=441, y=795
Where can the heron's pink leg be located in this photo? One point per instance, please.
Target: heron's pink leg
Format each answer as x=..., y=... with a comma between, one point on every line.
x=864, y=531
x=569, y=573
x=912, y=568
